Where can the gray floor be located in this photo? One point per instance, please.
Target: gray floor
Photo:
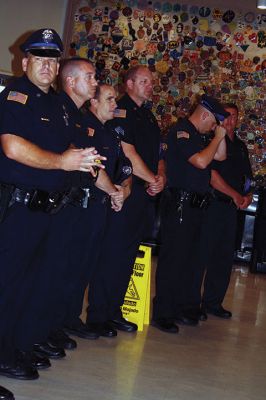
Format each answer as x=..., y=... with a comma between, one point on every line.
x=218, y=360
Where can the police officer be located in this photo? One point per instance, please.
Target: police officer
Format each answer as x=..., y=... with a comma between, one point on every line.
x=188, y=176
x=79, y=84
x=34, y=160
x=101, y=110
x=219, y=228
x=140, y=137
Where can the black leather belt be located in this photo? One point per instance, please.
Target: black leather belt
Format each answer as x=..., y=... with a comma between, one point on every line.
x=197, y=200
x=50, y=202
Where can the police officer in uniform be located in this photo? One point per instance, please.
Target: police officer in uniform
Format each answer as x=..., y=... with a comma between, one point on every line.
x=34, y=160
x=187, y=196
x=79, y=84
x=219, y=228
x=140, y=139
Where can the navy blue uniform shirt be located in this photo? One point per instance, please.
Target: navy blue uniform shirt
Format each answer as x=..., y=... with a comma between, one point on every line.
x=75, y=120
x=139, y=127
x=28, y=112
x=106, y=140
x=182, y=142
x=236, y=166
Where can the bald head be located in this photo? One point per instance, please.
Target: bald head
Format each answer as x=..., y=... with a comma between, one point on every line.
x=77, y=78
x=203, y=119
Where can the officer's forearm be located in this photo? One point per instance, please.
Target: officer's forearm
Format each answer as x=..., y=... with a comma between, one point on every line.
x=203, y=158
x=218, y=183
x=127, y=184
x=25, y=152
x=162, y=170
x=104, y=183
x=140, y=169
x=220, y=154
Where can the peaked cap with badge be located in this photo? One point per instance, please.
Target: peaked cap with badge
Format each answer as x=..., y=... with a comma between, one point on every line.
x=43, y=43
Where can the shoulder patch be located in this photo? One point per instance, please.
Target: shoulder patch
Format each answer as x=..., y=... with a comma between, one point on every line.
x=17, y=96
x=90, y=131
x=120, y=113
x=120, y=131
x=182, y=134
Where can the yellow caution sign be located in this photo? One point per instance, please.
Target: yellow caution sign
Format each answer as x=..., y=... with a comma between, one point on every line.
x=136, y=307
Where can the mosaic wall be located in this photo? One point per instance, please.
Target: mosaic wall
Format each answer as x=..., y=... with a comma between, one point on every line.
x=190, y=50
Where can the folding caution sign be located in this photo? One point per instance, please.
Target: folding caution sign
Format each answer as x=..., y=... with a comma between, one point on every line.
x=136, y=307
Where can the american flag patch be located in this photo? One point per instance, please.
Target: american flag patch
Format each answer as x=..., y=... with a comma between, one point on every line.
x=17, y=96
x=90, y=131
x=120, y=113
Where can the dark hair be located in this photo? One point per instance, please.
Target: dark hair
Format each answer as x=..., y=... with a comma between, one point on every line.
x=67, y=68
x=98, y=89
x=69, y=61
x=231, y=105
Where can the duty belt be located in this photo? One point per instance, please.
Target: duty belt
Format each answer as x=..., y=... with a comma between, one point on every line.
x=50, y=202
x=195, y=200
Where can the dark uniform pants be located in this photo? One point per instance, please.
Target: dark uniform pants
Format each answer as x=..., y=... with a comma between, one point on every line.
x=124, y=232
x=58, y=274
x=23, y=240
x=219, y=231
x=88, y=242
x=178, y=258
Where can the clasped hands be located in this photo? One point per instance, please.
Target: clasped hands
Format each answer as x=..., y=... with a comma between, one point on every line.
x=85, y=160
x=157, y=186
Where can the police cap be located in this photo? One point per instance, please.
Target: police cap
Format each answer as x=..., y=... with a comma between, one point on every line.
x=215, y=107
x=43, y=43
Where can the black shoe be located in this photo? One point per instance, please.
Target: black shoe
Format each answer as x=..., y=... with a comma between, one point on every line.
x=165, y=325
x=19, y=371
x=101, y=329
x=218, y=311
x=59, y=338
x=44, y=349
x=198, y=313
x=202, y=315
x=6, y=394
x=81, y=330
x=187, y=318
x=121, y=324
x=31, y=358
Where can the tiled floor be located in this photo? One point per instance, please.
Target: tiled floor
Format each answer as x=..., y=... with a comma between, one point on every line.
x=218, y=360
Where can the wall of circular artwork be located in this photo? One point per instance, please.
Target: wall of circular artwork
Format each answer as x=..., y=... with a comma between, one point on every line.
x=191, y=50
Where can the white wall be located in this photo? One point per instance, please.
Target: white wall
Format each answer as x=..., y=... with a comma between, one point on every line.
x=17, y=18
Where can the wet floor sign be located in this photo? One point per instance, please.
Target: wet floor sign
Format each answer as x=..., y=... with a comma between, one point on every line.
x=136, y=307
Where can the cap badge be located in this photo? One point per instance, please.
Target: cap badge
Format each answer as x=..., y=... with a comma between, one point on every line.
x=47, y=36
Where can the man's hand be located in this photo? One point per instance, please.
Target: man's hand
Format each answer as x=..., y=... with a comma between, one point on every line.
x=118, y=198
x=220, y=131
x=81, y=160
x=246, y=201
x=157, y=186
x=238, y=200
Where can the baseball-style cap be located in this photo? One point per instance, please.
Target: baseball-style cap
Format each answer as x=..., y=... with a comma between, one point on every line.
x=215, y=107
x=43, y=43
